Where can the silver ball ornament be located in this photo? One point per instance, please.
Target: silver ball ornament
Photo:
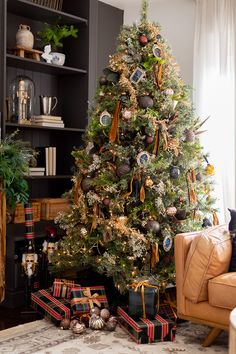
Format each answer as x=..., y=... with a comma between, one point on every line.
x=95, y=311
x=105, y=314
x=78, y=328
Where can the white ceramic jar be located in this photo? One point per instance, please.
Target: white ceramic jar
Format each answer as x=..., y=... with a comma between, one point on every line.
x=24, y=37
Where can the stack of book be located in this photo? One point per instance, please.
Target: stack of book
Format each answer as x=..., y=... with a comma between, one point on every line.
x=36, y=171
x=48, y=121
x=46, y=158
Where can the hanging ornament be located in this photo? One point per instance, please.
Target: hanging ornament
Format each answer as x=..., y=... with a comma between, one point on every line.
x=106, y=201
x=174, y=172
x=156, y=51
x=143, y=40
x=174, y=104
x=168, y=91
x=206, y=223
x=155, y=255
x=103, y=80
x=86, y=184
x=153, y=226
x=148, y=182
x=197, y=214
x=83, y=231
x=65, y=323
x=210, y=170
x=199, y=177
x=181, y=215
x=105, y=118
x=126, y=114
x=142, y=158
x=189, y=135
x=167, y=243
x=122, y=169
x=124, y=97
x=114, y=131
x=171, y=211
x=145, y=101
x=149, y=139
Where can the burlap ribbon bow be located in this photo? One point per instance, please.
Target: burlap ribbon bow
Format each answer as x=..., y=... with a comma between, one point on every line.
x=142, y=285
x=90, y=299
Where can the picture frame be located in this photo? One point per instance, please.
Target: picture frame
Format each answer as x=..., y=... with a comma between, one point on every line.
x=105, y=119
x=143, y=158
x=137, y=75
x=156, y=51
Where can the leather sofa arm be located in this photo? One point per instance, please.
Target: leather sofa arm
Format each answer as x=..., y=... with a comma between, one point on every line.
x=182, y=245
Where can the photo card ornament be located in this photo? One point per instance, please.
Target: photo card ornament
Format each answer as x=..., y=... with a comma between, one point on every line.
x=156, y=51
x=142, y=158
x=137, y=75
x=105, y=119
x=167, y=243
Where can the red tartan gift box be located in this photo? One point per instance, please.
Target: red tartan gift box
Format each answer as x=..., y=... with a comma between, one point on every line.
x=62, y=287
x=44, y=303
x=84, y=298
x=144, y=330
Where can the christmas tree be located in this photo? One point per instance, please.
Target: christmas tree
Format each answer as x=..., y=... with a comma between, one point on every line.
x=141, y=176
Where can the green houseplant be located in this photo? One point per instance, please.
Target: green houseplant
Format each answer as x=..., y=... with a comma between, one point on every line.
x=54, y=35
x=14, y=165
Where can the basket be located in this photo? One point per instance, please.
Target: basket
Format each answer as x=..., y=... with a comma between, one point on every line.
x=19, y=214
x=52, y=4
x=50, y=207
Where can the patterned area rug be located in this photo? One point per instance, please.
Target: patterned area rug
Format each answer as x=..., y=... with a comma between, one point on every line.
x=42, y=337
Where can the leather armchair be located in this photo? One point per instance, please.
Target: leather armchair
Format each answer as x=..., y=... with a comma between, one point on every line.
x=221, y=295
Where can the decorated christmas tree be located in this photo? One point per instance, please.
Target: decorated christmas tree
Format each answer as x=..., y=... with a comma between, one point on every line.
x=142, y=176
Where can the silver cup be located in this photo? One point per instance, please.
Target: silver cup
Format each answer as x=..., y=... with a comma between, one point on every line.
x=47, y=104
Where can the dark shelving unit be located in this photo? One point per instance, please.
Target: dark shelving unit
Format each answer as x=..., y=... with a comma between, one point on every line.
x=73, y=84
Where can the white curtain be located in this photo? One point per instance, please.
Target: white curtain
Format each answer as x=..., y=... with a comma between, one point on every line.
x=214, y=92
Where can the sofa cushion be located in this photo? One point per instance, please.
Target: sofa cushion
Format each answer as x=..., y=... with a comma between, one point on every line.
x=208, y=257
x=222, y=291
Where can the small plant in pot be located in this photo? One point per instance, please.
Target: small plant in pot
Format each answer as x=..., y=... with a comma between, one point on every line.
x=53, y=35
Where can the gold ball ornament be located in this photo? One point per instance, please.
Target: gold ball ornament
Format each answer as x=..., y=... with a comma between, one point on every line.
x=148, y=182
x=210, y=170
x=65, y=323
x=171, y=211
x=105, y=314
x=79, y=328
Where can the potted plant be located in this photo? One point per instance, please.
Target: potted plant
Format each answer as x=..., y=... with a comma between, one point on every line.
x=53, y=35
x=15, y=156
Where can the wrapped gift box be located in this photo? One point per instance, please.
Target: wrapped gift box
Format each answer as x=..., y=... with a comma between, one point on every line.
x=144, y=331
x=146, y=307
x=84, y=298
x=62, y=287
x=50, y=307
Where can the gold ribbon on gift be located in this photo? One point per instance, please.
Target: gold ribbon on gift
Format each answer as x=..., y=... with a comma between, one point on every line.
x=114, y=131
x=142, y=285
x=89, y=299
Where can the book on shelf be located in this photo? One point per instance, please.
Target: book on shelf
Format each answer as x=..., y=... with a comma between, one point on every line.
x=37, y=173
x=44, y=118
x=46, y=159
x=50, y=124
x=37, y=169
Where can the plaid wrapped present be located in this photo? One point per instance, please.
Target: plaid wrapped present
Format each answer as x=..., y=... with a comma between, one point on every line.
x=147, y=331
x=84, y=298
x=143, y=300
x=44, y=303
x=62, y=287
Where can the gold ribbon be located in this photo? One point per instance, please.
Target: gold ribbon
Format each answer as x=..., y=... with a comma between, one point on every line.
x=114, y=131
x=130, y=187
x=142, y=194
x=215, y=218
x=142, y=285
x=90, y=299
x=191, y=193
x=155, y=255
x=76, y=192
x=156, y=145
x=158, y=74
x=94, y=222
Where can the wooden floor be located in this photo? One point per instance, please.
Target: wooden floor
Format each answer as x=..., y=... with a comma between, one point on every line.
x=14, y=317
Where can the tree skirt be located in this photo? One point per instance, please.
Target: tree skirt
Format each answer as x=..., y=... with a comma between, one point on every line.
x=42, y=337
